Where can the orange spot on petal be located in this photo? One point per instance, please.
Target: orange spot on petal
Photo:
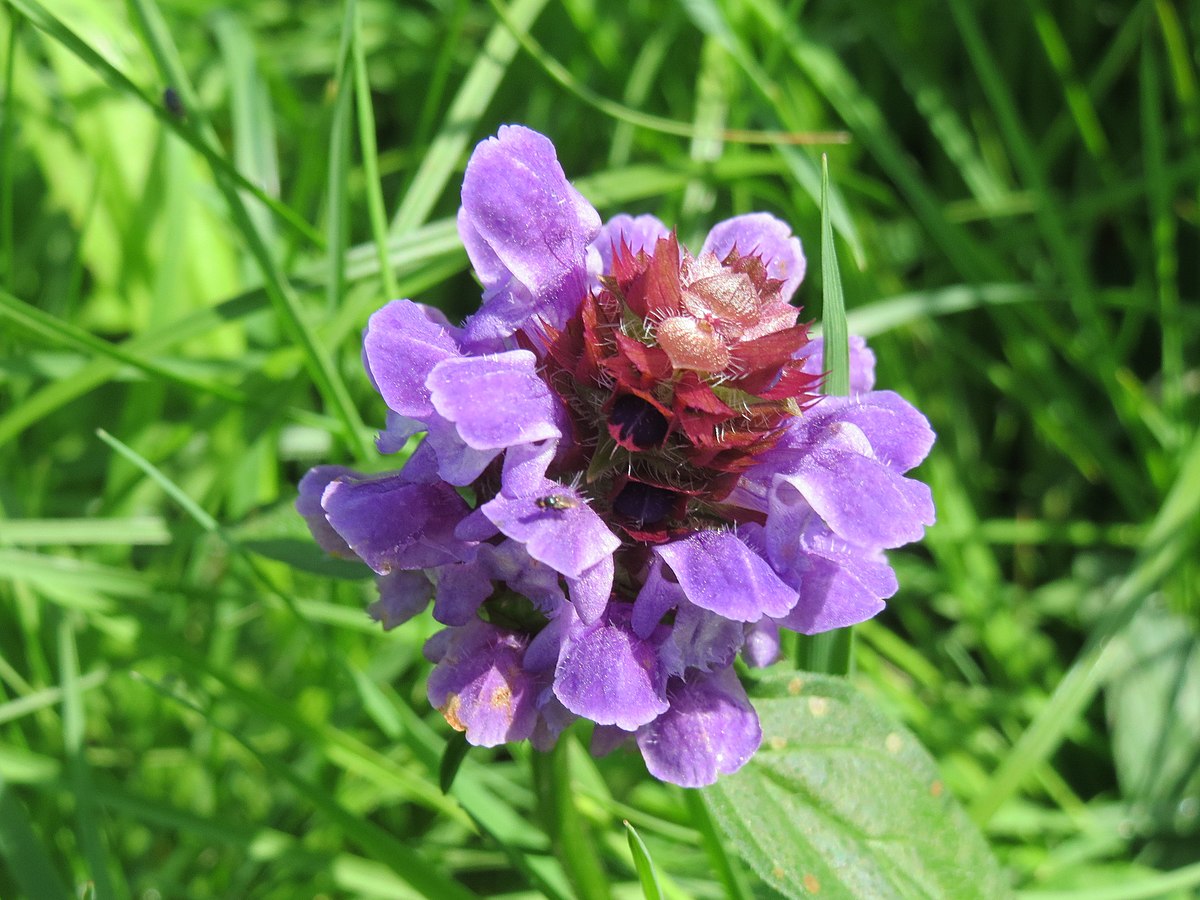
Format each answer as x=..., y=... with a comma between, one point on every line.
x=501, y=697
x=449, y=711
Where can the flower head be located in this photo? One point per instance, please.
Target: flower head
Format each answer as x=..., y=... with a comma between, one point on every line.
x=658, y=485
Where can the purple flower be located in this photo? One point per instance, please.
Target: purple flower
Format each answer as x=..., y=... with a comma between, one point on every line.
x=627, y=475
x=480, y=686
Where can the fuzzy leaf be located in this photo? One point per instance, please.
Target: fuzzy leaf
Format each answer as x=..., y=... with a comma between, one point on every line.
x=841, y=801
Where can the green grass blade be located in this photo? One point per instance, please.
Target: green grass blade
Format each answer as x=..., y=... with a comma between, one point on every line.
x=618, y=111
x=561, y=820
x=1171, y=540
x=57, y=331
x=833, y=651
x=370, y=158
x=278, y=288
x=905, y=309
x=870, y=127
x=1165, y=234
x=87, y=805
x=726, y=866
x=643, y=864
x=280, y=291
x=710, y=19
x=25, y=855
x=1181, y=882
x=406, y=862
x=456, y=751
x=459, y=126
x=47, y=697
x=57, y=29
x=1181, y=60
x=7, y=260
x=836, y=360
x=144, y=530
x=1047, y=211
x=253, y=118
x=337, y=204
x=172, y=490
x=644, y=75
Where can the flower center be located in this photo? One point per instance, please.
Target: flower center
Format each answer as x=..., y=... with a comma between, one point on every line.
x=677, y=371
x=636, y=424
x=644, y=504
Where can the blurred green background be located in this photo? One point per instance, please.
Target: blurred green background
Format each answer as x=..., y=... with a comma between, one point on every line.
x=192, y=700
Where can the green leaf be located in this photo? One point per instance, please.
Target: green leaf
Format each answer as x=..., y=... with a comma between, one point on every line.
x=1153, y=704
x=843, y=801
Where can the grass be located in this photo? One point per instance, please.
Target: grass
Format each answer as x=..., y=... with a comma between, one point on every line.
x=191, y=700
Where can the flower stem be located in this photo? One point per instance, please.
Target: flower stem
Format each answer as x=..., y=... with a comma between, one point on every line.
x=569, y=834
x=831, y=653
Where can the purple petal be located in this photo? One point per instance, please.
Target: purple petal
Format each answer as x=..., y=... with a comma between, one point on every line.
x=518, y=202
x=438, y=644
x=495, y=401
x=898, y=435
x=525, y=468
x=569, y=539
x=718, y=572
x=839, y=584
x=475, y=526
x=492, y=273
x=641, y=233
x=542, y=654
x=461, y=590
x=391, y=524
x=312, y=486
x=396, y=432
x=862, y=362
x=402, y=595
x=701, y=640
x=711, y=729
x=607, y=738
x=456, y=462
x=762, y=642
x=403, y=343
x=659, y=595
x=422, y=466
x=861, y=499
x=506, y=309
x=553, y=719
x=763, y=235
x=509, y=562
x=839, y=589
x=480, y=687
x=590, y=591
x=607, y=674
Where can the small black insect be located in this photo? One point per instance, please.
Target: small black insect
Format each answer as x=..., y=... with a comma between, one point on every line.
x=174, y=103
x=556, y=501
